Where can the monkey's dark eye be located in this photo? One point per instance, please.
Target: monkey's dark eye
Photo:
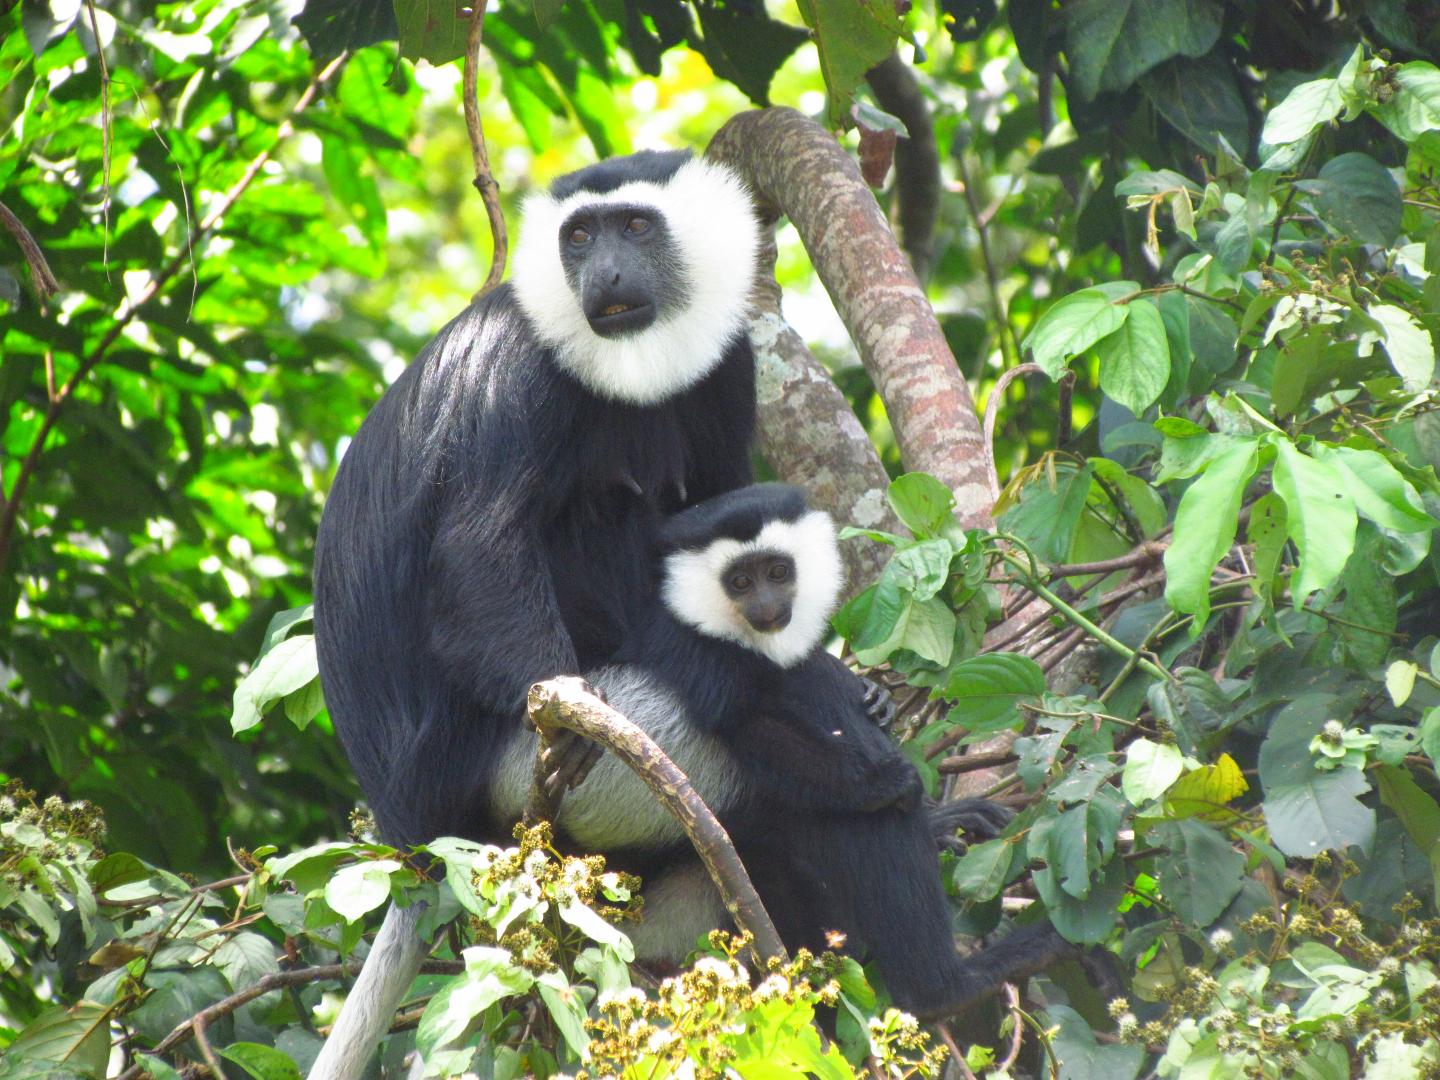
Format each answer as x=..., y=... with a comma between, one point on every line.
x=637, y=225
x=741, y=583
x=779, y=571
x=579, y=236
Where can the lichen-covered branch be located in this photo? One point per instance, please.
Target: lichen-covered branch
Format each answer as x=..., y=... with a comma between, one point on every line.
x=797, y=167
x=566, y=702
x=808, y=432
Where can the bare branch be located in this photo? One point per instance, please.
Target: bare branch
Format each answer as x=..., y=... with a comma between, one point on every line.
x=484, y=181
x=566, y=702
x=796, y=167
x=40, y=273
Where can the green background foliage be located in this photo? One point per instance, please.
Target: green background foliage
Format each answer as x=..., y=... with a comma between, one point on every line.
x=1223, y=217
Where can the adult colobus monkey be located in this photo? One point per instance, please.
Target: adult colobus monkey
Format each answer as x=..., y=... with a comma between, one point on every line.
x=491, y=522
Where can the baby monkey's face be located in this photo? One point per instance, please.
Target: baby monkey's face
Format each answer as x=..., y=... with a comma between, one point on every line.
x=761, y=585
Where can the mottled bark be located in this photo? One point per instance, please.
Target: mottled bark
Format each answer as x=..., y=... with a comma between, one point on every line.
x=808, y=432
x=917, y=161
x=796, y=167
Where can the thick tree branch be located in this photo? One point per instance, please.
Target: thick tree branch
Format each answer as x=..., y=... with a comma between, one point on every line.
x=808, y=432
x=797, y=167
x=567, y=703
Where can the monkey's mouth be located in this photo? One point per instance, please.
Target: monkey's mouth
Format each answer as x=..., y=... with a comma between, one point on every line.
x=620, y=317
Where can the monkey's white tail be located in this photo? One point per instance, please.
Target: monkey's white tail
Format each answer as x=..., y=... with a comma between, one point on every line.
x=391, y=967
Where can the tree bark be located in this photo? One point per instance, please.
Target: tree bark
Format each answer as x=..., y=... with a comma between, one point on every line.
x=796, y=167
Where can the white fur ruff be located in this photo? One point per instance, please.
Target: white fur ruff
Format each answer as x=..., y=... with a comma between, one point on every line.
x=694, y=593
x=710, y=216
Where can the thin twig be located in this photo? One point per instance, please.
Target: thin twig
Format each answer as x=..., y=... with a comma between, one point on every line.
x=130, y=308
x=959, y=1058
x=1008, y=349
x=279, y=980
x=992, y=410
x=40, y=273
x=104, y=128
x=1143, y=555
x=1012, y=1001
x=964, y=763
x=484, y=181
x=567, y=703
x=197, y=1029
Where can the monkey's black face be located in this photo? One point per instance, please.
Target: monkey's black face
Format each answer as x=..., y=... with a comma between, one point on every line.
x=762, y=588
x=623, y=264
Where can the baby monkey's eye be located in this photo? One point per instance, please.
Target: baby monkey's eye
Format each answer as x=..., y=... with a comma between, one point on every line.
x=741, y=582
x=579, y=236
x=780, y=571
x=637, y=225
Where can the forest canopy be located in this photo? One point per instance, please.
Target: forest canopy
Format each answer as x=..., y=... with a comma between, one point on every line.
x=1109, y=329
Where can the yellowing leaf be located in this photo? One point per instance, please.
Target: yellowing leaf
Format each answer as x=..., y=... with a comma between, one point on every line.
x=1205, y=792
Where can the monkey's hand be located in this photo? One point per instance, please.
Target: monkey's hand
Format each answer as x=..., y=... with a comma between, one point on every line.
x=896, y=784
x=567, y=756
x=879, y=705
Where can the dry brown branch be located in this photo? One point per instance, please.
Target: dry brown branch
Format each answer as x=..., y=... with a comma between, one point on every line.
x=40, y=273
x=1144, y=555
x=797, y=168
x=567, y=703
x=484, y=180
x=280, y=980
x=130, y=308
x=974, y=762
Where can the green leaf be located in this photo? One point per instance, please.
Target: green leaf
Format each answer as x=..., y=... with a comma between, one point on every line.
x=280, y=625
x=1145, y=503
x=1111, y=43
x=1267, y=531
x=922, y=502
x=1415, y=107
x=490, y=975
x=431, y=30
x=930, y=630
x=984, y=869
x=1135, y=359
x=546, y=11
x=115, y=870
x=1200, y=99
x=262, y=1062
x=1320, y=517
x=1081, y=1056
x=851, y=36
x=1071, y=326
x=1205, y=525
x=305, y=704
x=286, y=668
x=1323, y=813
x=76, y=1039
x=1304, y=109
x=1357, y=196
x=360, y=887
x=1150, y=769
x=1200, y=872
x=1417, y=810
x=1379, y=491
x=566, y=1009
x=747, y=48
x=990, y=687
x=1407, y=344
x=1047, y=517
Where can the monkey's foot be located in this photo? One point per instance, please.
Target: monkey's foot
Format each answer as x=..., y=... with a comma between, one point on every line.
x=567, y=758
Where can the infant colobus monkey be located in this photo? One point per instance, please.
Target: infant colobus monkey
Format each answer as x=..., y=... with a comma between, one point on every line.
x=729, y=676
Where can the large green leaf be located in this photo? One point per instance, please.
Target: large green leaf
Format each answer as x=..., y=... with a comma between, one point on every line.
x=1200, y=872
x=1071, y=326
x=747, y=47
x=1324, y=813
x=1320, y=517
x=76, y=1039
x=852, y=36
x=1205, y=526
x=1357, y=196
x=989, y=688
x=1135, y=359
x=1415, y=108
x=1111, y=43
x=261, y=1061
x=1304, y=109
